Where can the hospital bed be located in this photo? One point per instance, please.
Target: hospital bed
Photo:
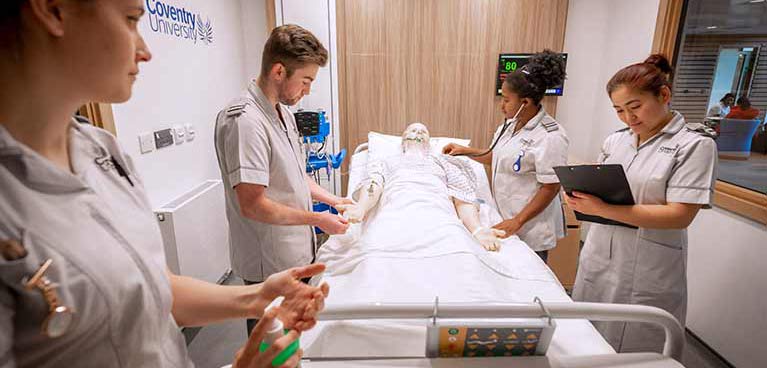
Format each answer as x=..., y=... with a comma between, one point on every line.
x=379, y=314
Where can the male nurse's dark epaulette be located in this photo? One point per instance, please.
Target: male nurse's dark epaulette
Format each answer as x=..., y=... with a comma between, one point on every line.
x=701, y=129
x=236, y=109
x=550, y=126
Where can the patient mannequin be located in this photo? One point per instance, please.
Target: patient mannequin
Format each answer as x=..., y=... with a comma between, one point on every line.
x=444, y=173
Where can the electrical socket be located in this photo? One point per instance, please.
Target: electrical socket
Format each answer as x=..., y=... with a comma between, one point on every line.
x=190, y=132
x=146, y=142
x=179, y=131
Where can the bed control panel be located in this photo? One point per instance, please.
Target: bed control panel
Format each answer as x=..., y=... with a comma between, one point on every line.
x=488, y=338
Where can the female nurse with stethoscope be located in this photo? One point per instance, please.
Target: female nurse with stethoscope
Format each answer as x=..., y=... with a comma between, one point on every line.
x=526, y=148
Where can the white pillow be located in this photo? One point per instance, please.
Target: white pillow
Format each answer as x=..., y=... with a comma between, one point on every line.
x=383, y=145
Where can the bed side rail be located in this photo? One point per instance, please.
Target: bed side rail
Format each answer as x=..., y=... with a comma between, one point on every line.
x=360, y=148
x=674, y=332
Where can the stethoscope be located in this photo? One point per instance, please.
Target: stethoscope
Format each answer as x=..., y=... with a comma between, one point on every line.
x=506, y=125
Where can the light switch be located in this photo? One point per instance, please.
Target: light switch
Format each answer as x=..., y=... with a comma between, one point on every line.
x=179, y=131
x=190, y=132
x=146, y=142
x=163, y=138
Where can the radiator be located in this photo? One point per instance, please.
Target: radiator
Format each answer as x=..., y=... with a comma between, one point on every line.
x=195, y=233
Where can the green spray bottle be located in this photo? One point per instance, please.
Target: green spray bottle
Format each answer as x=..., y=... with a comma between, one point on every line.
x=274, y=332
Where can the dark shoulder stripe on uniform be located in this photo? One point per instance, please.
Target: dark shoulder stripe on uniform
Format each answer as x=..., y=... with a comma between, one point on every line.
x=550, y=126
x=235, y=110
x=701, y=129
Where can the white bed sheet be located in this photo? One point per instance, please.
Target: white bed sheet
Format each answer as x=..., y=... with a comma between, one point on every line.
x=513, y=275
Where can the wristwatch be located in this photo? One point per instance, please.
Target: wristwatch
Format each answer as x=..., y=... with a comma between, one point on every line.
x=59, y=317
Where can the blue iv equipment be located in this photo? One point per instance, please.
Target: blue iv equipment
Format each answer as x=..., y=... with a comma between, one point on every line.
x=314, y=128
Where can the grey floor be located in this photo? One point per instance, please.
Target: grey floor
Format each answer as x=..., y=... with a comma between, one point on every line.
x=697, y=355
x=751, y=173
x=214, y=346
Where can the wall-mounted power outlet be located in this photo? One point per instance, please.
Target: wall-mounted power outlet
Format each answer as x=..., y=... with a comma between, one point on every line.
x=146, y=142
x=190, y=132
x=179, y=132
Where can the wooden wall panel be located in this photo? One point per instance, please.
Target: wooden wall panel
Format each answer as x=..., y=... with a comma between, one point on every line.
x=434, y=61
x=695, y=72
x=667, y=27
x=100, y=115
x=271, y=16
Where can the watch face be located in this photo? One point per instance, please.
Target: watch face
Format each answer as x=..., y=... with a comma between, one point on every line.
x=57, y=322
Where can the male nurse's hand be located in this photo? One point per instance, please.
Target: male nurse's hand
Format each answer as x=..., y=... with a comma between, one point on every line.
x=302, y=301
x=330, y=223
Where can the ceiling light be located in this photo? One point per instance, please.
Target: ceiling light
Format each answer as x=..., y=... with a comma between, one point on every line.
x=756, y=1
x=712, y=27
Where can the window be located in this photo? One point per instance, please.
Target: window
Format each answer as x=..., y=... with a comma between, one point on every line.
x=721, y=81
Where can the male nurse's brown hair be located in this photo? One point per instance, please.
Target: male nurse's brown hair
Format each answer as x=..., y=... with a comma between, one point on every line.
x=293, y=47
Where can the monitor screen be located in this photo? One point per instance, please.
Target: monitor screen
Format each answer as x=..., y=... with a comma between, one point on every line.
x=508, y=63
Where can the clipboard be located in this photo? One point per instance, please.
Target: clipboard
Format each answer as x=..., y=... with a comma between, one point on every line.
x=607, y=182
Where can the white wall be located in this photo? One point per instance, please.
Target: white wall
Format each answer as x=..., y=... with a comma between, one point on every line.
x=601, y=37
x=255, y=32
x=727, y=284
x=186, y=82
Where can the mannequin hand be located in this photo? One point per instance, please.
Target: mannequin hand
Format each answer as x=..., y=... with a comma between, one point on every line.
x=342, y=201
x=490, y=239
x=353, y=212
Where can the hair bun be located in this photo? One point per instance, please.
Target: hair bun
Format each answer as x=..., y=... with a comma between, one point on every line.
x=660, y=62
x=547, y=68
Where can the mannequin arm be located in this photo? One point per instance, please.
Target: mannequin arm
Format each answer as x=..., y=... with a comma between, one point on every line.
x=490, y=239
x=368, y=197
